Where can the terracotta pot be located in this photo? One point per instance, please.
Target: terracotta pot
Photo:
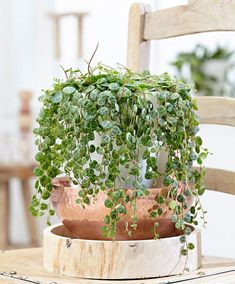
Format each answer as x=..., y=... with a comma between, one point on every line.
x=86, y=223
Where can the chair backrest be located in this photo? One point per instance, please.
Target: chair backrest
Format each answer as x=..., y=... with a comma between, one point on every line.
x=196, y=17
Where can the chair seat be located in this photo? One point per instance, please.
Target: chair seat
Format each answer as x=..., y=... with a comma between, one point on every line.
x=17, y=170
x=28, y=263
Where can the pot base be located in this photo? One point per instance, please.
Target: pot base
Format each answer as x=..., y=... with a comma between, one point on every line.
x=97, y=259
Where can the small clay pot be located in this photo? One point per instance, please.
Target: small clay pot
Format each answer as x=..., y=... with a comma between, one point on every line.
x=86, y=223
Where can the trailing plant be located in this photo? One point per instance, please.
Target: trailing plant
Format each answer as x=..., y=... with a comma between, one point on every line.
x=204, y=82
x=94, y=126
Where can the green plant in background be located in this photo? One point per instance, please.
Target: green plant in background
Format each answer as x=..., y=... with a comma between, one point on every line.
x=94, y=125
x=207, y=83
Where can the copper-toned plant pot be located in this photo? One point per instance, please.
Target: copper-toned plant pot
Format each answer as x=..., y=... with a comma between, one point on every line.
x=86, y=223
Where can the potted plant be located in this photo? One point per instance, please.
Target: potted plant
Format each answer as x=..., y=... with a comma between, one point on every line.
x=104, y=132
x=209, y=70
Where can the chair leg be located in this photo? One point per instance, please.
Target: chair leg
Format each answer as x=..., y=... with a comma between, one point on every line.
x=25, y=187
x=4, y=214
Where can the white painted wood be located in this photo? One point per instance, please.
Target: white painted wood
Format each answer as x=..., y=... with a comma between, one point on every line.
x=116, y=260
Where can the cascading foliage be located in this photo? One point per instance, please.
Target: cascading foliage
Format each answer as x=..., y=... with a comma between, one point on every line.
x=94, y=126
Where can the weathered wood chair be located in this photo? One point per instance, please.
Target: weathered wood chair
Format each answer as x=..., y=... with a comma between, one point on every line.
x=196, y=17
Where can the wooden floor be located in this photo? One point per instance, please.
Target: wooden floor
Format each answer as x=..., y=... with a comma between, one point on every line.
x=24, y=266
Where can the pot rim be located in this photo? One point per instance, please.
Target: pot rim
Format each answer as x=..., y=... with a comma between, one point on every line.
x=54, y=227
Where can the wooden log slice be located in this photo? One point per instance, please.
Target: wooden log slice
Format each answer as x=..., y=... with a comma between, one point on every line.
x=117, y=260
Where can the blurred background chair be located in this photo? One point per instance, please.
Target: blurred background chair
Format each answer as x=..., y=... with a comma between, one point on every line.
x=20, y=168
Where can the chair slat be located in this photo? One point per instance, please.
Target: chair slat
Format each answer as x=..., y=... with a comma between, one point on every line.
x=216, y=110
x=220, y=180
x=196, y=17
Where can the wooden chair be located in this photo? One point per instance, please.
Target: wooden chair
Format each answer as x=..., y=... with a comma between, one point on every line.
x=196, y=17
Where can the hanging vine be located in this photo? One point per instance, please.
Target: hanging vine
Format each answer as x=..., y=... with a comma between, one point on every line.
x=94, y=126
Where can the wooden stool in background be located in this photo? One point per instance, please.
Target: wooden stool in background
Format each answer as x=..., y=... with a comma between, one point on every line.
x=20, y=167
x=4, y=211
x=24, y=174
x=57, y=18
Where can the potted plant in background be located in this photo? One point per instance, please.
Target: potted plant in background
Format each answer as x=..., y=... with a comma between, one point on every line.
x=210, y=71
x=104, y=132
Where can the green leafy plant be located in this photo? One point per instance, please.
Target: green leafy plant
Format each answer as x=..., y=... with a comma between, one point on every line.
x=93, y=126
x=204, y=82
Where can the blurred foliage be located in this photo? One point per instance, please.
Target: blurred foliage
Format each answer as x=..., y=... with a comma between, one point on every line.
x=196, y=60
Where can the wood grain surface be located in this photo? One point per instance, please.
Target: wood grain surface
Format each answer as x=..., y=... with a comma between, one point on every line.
x=196, y=17
x=27, y=263
x=117, y=260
